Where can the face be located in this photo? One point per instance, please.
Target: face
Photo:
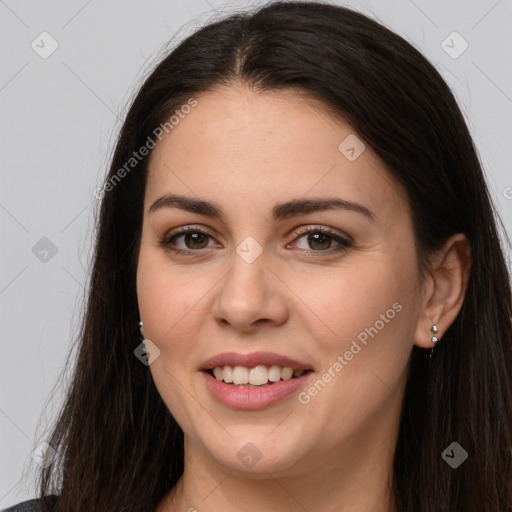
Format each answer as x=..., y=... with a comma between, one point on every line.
x=298, y=260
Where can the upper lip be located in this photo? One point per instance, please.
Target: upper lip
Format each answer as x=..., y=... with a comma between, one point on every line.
x=253, y=359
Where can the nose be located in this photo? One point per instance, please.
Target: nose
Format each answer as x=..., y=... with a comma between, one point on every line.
x=250, y=295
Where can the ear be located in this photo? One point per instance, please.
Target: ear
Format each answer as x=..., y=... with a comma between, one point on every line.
x=444, y=289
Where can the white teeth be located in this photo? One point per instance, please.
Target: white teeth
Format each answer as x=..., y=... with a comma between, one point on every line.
x=227, y=374
x=257, y=376
x=286, y=373
x=274, y=373
x=240, y=375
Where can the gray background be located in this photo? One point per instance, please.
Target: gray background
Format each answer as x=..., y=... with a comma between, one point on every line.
x=58, y=123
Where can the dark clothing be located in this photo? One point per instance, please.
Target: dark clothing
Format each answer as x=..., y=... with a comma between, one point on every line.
x=30, y=505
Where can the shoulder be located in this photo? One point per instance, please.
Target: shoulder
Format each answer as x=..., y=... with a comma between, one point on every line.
x=25, y=506
x=30, y=505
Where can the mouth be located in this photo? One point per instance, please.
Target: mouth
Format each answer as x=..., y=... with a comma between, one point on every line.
x=255, y=377
x=253, y=381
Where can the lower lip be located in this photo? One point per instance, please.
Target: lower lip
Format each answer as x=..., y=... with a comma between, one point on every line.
x=253, y=398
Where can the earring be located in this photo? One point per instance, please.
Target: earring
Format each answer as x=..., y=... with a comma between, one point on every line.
x=140, y=330
x=435, y=339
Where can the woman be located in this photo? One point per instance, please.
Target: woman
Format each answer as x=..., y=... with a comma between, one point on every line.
x=297, y=224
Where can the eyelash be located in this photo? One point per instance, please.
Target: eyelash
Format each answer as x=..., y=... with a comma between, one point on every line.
x=344, y=243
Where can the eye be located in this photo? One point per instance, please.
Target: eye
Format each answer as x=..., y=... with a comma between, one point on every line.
x=194, y=240
x=320, y=239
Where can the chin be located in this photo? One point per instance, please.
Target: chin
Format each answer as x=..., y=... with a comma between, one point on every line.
x=257, y=454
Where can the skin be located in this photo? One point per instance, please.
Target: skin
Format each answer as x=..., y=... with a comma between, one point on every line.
x=246, y=152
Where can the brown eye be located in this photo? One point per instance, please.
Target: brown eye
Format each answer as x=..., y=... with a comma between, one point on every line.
x=191, y=240
x=320, y=240
x=195, y=240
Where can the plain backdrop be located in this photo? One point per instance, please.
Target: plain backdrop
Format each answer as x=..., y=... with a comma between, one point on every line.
x=59, y=119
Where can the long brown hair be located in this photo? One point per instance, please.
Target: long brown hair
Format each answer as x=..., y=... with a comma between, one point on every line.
x=120, y=449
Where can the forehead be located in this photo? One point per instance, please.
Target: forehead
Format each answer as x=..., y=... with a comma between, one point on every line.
x=240, y=146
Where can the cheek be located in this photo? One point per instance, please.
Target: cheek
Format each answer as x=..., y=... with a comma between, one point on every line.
x=356, y=297
x=170, y=301
x=170, y=306
x=375, y=317
x=369, y=310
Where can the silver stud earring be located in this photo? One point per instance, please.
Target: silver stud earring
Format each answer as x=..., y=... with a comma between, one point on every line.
x=434, y=329
x=435, y=339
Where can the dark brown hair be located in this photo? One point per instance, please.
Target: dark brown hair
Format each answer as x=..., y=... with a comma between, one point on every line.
x=119, y=448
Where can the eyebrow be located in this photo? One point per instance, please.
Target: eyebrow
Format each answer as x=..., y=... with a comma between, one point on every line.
x=279, y=212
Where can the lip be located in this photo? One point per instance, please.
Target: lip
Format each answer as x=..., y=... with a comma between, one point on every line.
x=253, y=359
x=253, y=398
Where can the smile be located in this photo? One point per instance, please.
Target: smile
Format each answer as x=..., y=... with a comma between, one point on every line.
x=253, y=381
x=256, y=376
